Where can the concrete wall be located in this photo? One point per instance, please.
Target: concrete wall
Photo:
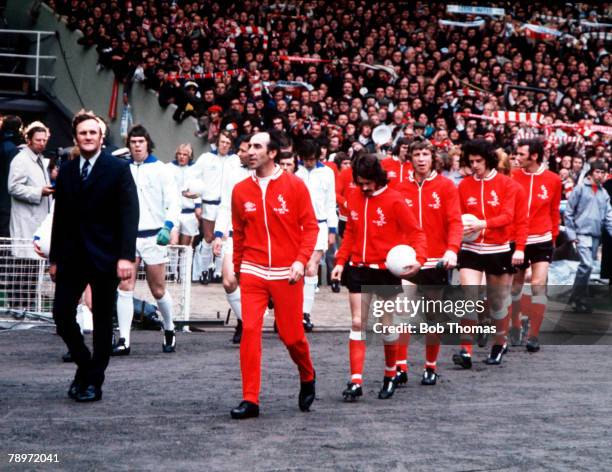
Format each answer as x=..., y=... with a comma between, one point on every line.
x=94, y=88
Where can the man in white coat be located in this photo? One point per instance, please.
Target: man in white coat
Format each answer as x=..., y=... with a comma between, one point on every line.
x=30, y=188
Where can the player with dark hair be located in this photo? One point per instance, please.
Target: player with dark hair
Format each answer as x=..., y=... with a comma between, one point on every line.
x=488, y=196
x=379, y=220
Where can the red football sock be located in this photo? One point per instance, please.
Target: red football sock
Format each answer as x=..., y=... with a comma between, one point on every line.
x=516, y=313
x=357, y=351
x=536, y=314
x=431, y=355
x=525, y=305
x=390, y=358
x=402, y=352
x=501, y=328
x=467, y=340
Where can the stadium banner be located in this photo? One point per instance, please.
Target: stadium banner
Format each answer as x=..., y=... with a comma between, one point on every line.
x=472, y=10
x=462, y=24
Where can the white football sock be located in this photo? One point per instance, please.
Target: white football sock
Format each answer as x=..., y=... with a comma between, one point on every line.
x=165, y=307
x=233, y=299
x=125, y=313
x=310, y=286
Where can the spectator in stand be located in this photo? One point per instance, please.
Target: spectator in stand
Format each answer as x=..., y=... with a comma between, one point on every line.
x=10, y=138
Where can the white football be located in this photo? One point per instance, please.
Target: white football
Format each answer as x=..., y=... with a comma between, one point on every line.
x=469, y=218
x=42, y=236
x=399, y=257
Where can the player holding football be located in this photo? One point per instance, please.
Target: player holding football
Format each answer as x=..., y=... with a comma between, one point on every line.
x=379, y=219
x=490, y=197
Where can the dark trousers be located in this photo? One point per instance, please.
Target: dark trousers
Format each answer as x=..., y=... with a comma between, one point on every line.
x=70, y=285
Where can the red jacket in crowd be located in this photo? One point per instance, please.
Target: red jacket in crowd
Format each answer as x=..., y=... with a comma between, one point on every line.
x=520, y=225
x=274, y=229
x=397, y=171
x=543, y=189
x=375, y=225
x=435, y=204
x=490, y=199
x=344, y=184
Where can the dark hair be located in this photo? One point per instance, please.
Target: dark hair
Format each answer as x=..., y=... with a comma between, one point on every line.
x=536, y=146
x=308, y=149
x=245, y=138
x=288, y=155
x=339, y=157
x=479, y=147
x=227, y=134
x=401, y=142
x=597, y=165
x=80, y=118
x=11, y=124
x=139, y=131
x=367, y=166
x=33, y=130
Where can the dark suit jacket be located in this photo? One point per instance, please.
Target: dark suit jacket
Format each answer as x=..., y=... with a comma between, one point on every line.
x=95, y=221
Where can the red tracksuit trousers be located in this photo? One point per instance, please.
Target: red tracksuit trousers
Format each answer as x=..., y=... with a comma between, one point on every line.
x=255, y=292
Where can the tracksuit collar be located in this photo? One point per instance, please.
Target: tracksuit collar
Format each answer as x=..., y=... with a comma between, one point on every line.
x=540, y=170
x=432, y=175
x=149, y=160
x=490, y=176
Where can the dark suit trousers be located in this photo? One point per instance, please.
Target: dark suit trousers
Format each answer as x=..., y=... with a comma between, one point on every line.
x=70, y=285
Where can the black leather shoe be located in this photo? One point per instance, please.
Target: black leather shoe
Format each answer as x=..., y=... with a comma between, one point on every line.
x=401, y=377
x=352, y=391
x=388, y=388
x=237, y=333
x=204, y=280
x=307, y=323
x=73, y=391
x=496, y=356
x=169, y=344
x=245, y=410
x=463, y=358
x=120, y=349
x=430, y=377
x=533, y=344
x=89, y=394
x=307, y=394
x=335, y=286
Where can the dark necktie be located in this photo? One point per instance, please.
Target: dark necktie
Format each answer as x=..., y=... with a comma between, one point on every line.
x=85, y=171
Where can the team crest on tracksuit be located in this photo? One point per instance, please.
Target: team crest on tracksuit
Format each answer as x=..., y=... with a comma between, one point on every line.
x=249, y=207
x=544, y=193
x=391, y=174
x=381, y=221
x=354, y=215
x=471, y=201
x=494, y=199
x=283, y=206
x=436, y=204
x=408, y=202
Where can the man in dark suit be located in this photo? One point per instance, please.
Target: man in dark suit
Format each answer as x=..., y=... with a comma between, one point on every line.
x=93, y=241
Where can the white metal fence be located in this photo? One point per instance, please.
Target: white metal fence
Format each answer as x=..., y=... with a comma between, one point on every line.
x=25, y=285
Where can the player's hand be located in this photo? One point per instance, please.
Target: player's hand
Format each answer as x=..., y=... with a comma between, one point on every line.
x=47, y=190
x=410, y=270
x=217, y=245
x=125, y=269
x=52, y=271
x=174, y=237
x=38, y=250
x=296, y=272
x=449, y=260
x=188, y=194
x=331, y=239
x=473, y=227
x=163, y=237
x=518, y=258
x=337, y=272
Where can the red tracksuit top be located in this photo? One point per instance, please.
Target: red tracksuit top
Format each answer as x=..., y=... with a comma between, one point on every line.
x=344, y=184
x=519, y=227
x=397, y=171
x=271, y=234
x=377, y=224
x=491, y=199
x=543, y=189
x=435, y=204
